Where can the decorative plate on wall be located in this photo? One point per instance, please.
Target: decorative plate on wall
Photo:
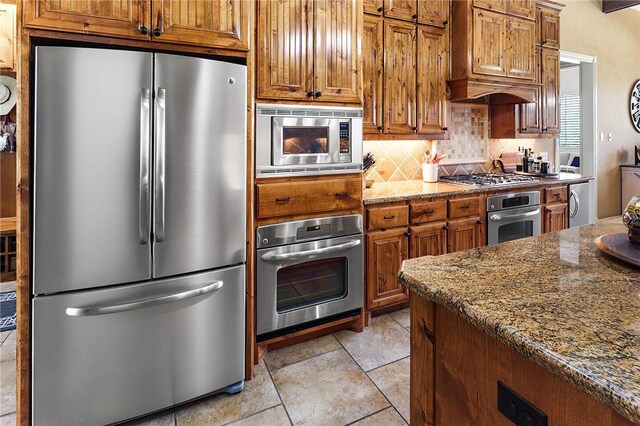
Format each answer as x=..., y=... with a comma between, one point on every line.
x=468, y=137
x=634, y=105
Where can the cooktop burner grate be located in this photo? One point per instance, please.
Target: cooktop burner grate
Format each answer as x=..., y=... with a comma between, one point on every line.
x=489, y=179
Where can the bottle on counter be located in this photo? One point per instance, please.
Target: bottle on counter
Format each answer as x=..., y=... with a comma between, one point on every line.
x=519, y=157
x=525, y=161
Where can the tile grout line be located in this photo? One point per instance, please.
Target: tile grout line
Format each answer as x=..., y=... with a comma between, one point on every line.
x=278, y=392
x=387, y=364
x=303, y=360
x=254, y=414
x=368, y=415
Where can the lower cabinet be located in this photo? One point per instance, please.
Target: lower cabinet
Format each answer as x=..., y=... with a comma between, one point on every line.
x=385, y=252
x=465, y=234
x=429, y=240
x=556, y=217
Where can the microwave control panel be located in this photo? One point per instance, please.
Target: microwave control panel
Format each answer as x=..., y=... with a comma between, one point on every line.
x=345, y=137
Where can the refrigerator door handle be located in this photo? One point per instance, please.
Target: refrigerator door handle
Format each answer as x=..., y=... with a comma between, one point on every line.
x=143, y=202
x=160, y=164
x=574, y=194
x=147, y=303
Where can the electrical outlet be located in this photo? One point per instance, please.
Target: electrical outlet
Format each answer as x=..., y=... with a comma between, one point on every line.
x=610, y=137
x=517, y=409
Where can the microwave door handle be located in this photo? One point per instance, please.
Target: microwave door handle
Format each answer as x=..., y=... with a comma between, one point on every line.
x=86, y=311
x=574, y=194
x=497, y=217
x=272, y=255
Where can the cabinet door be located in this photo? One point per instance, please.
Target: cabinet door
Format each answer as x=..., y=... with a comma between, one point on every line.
x=284, y=67
x=465, y=234
x=489, y=30
x=385, y=252
x=550, y=29
x=8, y=36
x=433, y=12
x=399, y=77
x=373, y=7
x=556, y=217
x=401, y=9
x=432, y=80
x=497, y=5
x=523, y=8
x=521, y=48
x=550, y=64
x=372, y=55
x=530, y=117
x=118, y=18
x=429, y=240
x=211, y=23
x=338, y=32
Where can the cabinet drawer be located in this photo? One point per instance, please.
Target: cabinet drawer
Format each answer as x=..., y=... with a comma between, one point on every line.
x=464, y=207
x=289, y=198
x=387, y=217
x=556, y=195
x=428, y=212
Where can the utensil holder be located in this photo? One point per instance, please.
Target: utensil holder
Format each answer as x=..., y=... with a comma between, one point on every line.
x=429, y=172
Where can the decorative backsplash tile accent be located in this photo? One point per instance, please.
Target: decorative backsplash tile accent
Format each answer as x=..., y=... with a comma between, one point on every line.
x=396, y=160
x=468, y=136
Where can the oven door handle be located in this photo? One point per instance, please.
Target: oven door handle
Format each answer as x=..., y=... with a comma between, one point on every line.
x=270, y=256
x=498, y=218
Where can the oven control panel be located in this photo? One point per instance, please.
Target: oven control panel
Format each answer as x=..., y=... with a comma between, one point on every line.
x=315, y=231
x=345, y=137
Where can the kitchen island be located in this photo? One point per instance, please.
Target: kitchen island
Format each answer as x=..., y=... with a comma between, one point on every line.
x=549, y=317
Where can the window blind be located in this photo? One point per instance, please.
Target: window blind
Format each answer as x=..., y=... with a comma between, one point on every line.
x=570, y=119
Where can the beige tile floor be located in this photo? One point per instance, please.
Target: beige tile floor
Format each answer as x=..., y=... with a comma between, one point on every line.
x=344, y=378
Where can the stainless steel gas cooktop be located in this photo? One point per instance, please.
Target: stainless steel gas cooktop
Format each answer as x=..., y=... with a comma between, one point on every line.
x=489, y=179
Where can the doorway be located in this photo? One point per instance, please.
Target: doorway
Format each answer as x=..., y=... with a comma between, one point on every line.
x=578, y=144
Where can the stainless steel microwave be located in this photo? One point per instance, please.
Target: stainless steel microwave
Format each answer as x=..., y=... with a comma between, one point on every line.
x=307, y=140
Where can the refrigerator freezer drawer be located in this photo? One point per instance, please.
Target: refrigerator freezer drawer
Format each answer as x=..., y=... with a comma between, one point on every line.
x=108, y=355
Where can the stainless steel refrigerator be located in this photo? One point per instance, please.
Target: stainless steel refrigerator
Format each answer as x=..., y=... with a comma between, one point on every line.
x=138, y=255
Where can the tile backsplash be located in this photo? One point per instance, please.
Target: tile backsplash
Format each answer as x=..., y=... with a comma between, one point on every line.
x=402, y=160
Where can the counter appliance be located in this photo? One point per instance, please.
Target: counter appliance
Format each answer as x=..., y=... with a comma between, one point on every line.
x=513, y=216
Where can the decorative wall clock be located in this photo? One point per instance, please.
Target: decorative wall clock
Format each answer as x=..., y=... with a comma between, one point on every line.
x=634, y=105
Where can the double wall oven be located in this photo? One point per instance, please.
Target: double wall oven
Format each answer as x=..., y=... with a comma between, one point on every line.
x=308, y=270
x=299, y=140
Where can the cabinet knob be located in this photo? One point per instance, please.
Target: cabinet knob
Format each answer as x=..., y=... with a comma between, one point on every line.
x=415, y=129
x=157, y=32
x=283, y=200
x=446, y=227
x=318, y=94
x=380, y=128
x=524, y=129
x=545, y=129
x=342, y=194
x=445, y=128
x=389, y=217
x=445, y=22
x=408, y=233
x=380, y=9
x=143, y=30
x=310, y=94
x=479, y=222
x=414, y=16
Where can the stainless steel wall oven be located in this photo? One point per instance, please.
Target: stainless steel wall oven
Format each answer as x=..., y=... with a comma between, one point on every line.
x=513, y=216
x=308, y=270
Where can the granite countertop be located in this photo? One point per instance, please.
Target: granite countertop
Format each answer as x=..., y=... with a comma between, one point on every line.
x=553, y=298
x=387, y=192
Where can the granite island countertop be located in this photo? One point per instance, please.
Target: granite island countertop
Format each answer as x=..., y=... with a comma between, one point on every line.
x=553, y=298
x=387, y=192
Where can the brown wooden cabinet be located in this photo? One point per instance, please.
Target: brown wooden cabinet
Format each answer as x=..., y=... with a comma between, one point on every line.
x=489, y=43
x=550, y=29
x=556, y=217
x=399, y=77
x=372, y=63
x=521, y=45
x=8, y=41
x=211, y=23
x=406, y=10
x=465, y=234
x=385, y=252
x=308, y=50
x=530, y=120
x=428, y=240
x=523, y=8
x=432, y=72
x=433, y=12
x=207, y=23
x=550, y=78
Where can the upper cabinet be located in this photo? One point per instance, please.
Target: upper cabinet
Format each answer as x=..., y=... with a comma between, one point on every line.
x=309, y=50
x=494, y=5
x=489, y=43
x=522, y=8
x=521, y=48
x=550, y=29
x=8, y=55
x=405, y=69
x=550, y=64
x=206, y=23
